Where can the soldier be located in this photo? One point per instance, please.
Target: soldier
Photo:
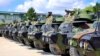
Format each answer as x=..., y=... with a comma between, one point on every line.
x=47, y=28
x=66, y=26
x=49, y=18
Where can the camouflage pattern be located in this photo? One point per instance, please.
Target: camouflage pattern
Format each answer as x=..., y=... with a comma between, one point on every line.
x=43, y=30
x=49, y=20
x=88, y=41
x=60, y=45
x=39, y=43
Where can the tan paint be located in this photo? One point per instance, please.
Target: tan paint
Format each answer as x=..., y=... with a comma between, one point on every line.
x=69, y=18
x=80, y=34
x=49, y=20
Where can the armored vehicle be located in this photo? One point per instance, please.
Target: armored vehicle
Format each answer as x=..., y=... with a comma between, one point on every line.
x=38, y=37
x=10, y=29
x=15, y=32
x=86, y=42
x=6, y=31
x=22, y=33
x=41, y=37
x=31, y=30
x=58, y=40
x=2, y=29
x=19, y=25
x=38, y=43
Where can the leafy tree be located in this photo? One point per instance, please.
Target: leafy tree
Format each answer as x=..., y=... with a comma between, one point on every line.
x=96, y=8
x=31, y=14
x=88, y=8
x=93, y=9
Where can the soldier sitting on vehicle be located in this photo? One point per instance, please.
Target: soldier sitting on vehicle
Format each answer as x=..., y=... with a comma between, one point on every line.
x=66, y=27
x=47, y=28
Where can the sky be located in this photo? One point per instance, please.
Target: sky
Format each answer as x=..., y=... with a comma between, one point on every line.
x=43, y=6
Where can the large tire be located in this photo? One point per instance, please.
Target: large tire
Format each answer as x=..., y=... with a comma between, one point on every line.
x=55, y=49
x=23, y=42
x=31, y=43
x=38, y=44
x=26, y=41
x=73, y=52
x=46, y=48
x=0, y=35
x=19, y=39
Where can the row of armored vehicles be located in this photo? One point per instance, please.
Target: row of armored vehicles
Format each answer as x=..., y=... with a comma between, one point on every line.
x=70, y=36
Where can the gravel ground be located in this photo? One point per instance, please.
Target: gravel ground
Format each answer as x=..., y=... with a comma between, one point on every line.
x=11, y=48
